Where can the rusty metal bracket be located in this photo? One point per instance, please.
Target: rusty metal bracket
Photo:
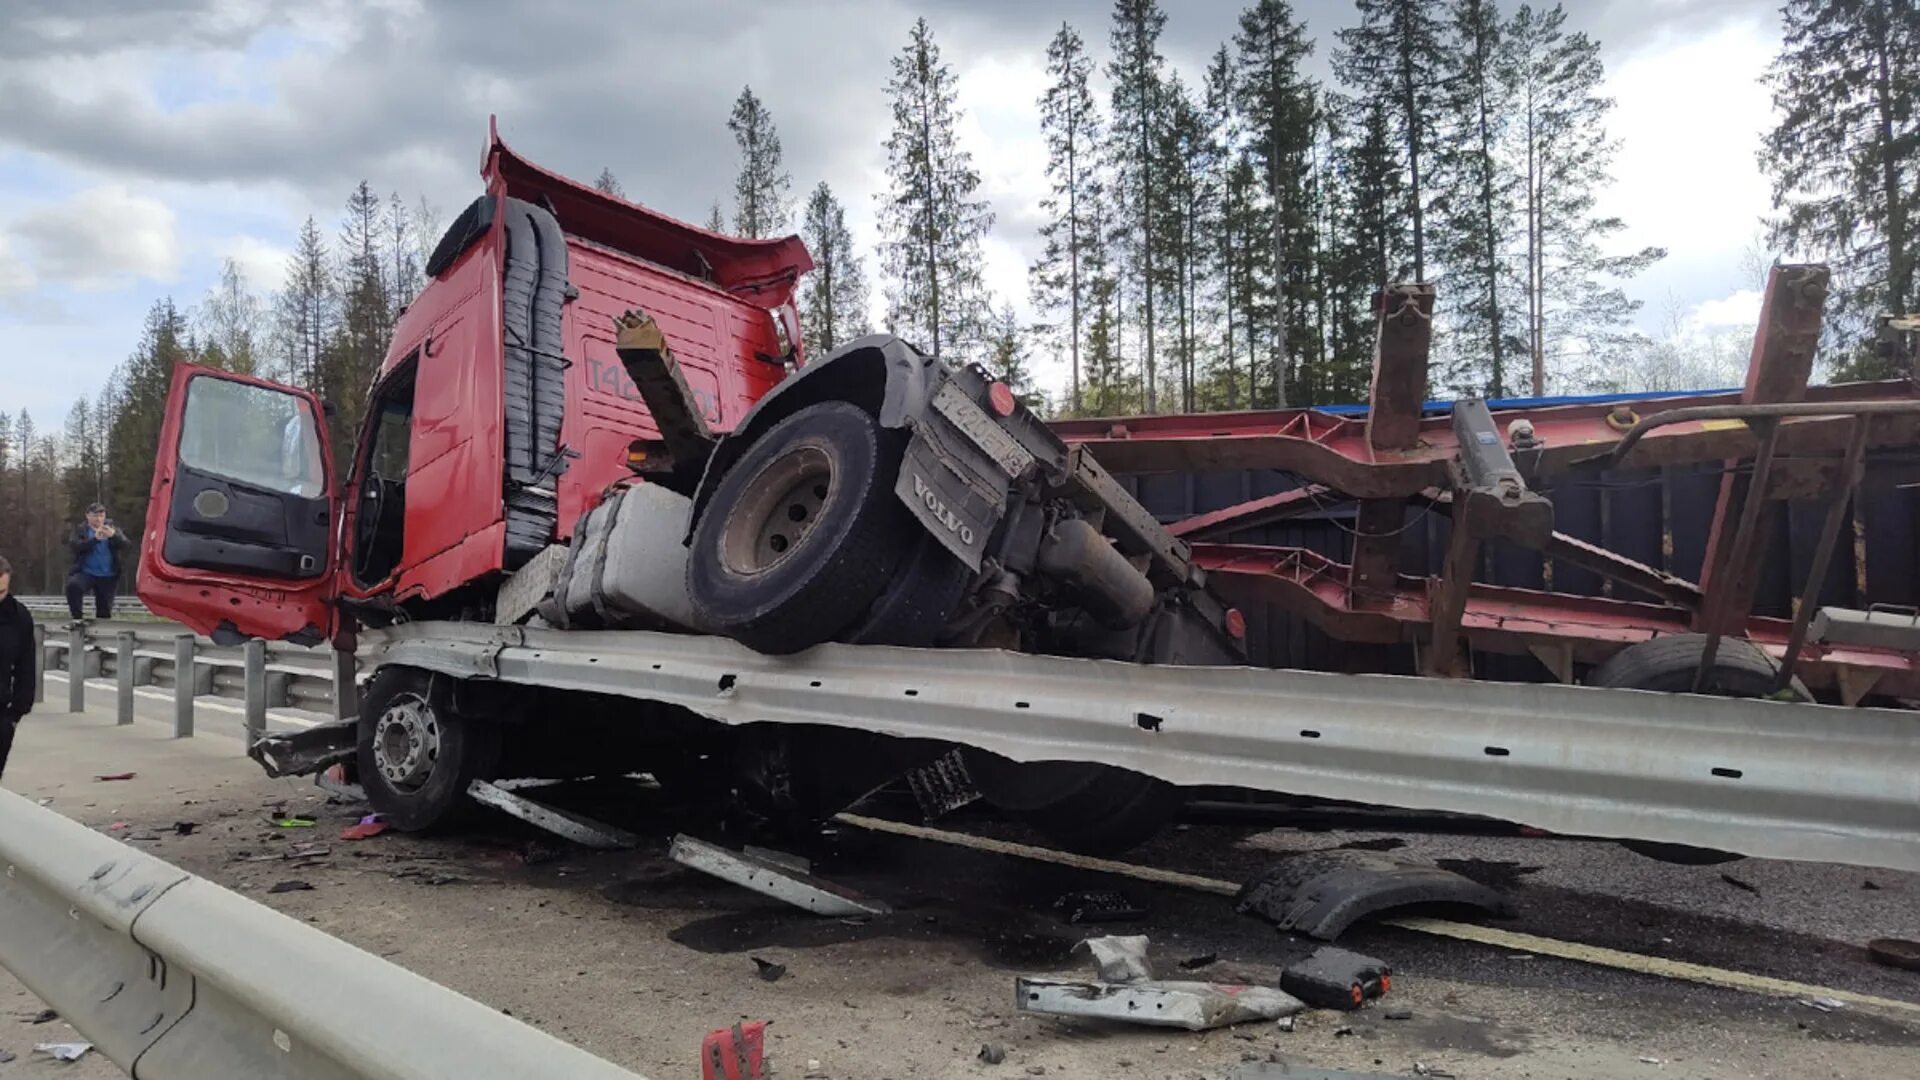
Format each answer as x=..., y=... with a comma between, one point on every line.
x=1851, y=468
x=685, y=439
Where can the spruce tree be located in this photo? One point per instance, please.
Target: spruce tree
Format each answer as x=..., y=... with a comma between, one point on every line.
x=1072, y=127
x=1577, y=314
x=1845, y=159
x=232, y=323
x=404, y=282
x=833, y=305
x=1394, y=55
x=351, y=363
x=1007, y=353
x=1185, y=159
x=306, y=310
x=1276, y=101
x=1138, y=115
x=716, y=222
x=1474, y=197
x=165, y=341
x=760, y=207
x=609, y=183
x=931, y=218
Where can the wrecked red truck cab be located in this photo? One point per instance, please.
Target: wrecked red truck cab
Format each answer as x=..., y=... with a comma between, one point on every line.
x=500, y=415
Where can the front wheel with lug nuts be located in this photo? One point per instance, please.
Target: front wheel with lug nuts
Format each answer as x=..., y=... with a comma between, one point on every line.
x=416, y=755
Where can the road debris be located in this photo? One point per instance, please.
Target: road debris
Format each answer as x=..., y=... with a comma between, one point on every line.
x=116, y=776
x=1337, y=979
x=44, y=1016
x=1280, y=1070
x=1321, y=893
x=1118, y=959
x=1098, y=906
x=334, y=782
x=291, y=822
x=289, y=886
x=942, y=786
x=753, y=870
x=6, y=1056
x=1824, y=1004
x=768, y=970
x=991, y=1053
x=185, y=828
x=368, y=827
x=735, y=1053
x=1127, y=990
x=1895, y=952
x=565, y=824
x=1421, y=1068
x=72, y=1051
x=1195, y=963
x=1744, y=886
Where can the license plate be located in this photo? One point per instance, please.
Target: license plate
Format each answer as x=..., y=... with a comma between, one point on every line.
x=973, y=422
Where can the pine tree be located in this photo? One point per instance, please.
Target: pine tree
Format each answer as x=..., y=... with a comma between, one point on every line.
x=404, y=283
x=1845, y=159
x=931, y=219
x=1474, y=196
x=307, y=309
x=833, y=307
x=1184, y=154
x=1577, y=314
x=1072, y=128
x=232, y=323
x=1394, y=54
x=1138, y=115
x=716, y=221
x=1007, y=353
x=1219, y=296
x=1277, y=104
x=609, y=183
x=760, y=207
x=352, y=361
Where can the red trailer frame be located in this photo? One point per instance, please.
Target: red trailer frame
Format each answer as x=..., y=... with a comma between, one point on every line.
x=1780, y=440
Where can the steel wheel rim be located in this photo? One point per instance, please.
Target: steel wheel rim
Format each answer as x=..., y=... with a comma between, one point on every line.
x=766, y=527
x=406, y=742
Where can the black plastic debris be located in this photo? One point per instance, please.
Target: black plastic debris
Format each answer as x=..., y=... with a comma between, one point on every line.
x=290, y=886
x=44, y=1016
x=1099, y=906
x=1337, y=979
x=992, y=1053
x=1321, y=893
x=769, y=971
x=1195, y=963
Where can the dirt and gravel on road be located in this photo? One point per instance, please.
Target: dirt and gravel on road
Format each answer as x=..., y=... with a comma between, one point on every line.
x=636, y=958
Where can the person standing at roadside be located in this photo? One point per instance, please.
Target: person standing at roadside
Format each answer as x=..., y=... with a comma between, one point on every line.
x=96, y=546
x=17, y=662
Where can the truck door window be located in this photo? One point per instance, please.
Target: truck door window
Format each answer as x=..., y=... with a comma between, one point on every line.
x=380, y=532
x=252, y=435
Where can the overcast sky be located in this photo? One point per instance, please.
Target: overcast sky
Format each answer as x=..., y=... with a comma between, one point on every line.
x=142, y=142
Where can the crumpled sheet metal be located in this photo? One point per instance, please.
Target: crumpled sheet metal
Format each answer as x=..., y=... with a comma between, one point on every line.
x=1321, y=893
x=1194, y=1006
x=1119, y=958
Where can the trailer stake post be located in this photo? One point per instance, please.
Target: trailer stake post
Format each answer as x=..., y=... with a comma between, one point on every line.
x=1403, y=331
x=1850, y=470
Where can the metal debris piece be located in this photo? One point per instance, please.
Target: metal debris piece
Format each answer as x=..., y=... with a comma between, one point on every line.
x=290, y=886
x=1099, y=906
x=1337, y=979
x=72, y=1051
x=562, y=823
x=1118, y=959
x=736, y=1053
x=772, y=879
x=1194, y=1006
x=992, y=1053
x=942, y=785
x=1280, y=1070
x=1321, y=893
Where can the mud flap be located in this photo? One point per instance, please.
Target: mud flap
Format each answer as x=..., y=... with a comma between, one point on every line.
x=952, y=489
x=299, y=753
x=1321, y=893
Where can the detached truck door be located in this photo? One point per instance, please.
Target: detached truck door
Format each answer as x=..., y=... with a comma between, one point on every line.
x=241, y=536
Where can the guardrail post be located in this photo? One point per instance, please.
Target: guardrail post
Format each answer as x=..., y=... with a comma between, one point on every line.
x=183, y=686
x=256, y=688
x=39, y=662
x=123, y=674
x=76, y=666
x=346, y=692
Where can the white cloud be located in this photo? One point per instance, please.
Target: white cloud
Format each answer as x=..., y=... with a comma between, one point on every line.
x=1738, y=310
x=15, y=275
x=100, y=238
x=262, y=263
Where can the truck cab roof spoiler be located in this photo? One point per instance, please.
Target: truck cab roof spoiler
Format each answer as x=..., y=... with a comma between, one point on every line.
x=762, y=272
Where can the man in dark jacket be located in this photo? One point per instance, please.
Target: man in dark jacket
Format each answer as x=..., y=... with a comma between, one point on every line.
x=96, y=547
x=17, y=662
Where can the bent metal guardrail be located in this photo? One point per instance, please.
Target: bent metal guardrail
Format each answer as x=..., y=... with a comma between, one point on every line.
x=172, y=976
x=261, y=674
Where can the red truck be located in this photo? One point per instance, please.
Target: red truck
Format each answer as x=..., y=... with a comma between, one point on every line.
x=597, y=417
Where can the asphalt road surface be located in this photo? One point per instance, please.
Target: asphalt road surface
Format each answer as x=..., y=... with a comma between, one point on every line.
x=635, y=958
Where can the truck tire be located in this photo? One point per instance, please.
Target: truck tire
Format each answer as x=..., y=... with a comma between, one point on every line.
x=920, y=600
x=1740, y=670
x=803, y=533
x=416, y=755
x=1668, y=663
x=1091, y=809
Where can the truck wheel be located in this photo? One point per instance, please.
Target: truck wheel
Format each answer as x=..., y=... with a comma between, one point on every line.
x=804, y=532
x=416, y=755
x=921, y=598
x=1740, y=670
x=1091, y=809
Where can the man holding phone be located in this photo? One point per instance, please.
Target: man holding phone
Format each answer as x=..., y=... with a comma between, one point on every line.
x=96, y=547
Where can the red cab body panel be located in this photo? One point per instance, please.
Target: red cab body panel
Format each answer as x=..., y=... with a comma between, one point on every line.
x=716, y=297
